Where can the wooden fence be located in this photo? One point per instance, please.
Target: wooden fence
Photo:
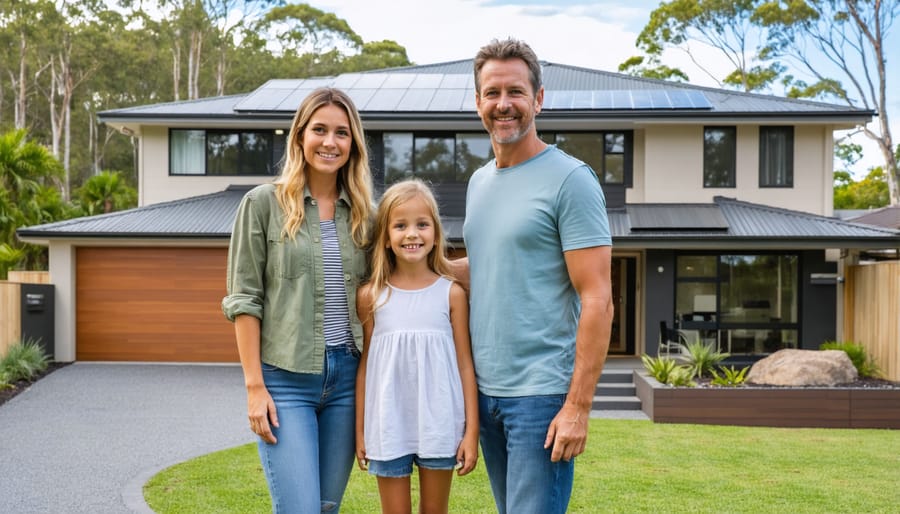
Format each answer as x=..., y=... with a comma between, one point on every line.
x=10, y=304
x=872, y=312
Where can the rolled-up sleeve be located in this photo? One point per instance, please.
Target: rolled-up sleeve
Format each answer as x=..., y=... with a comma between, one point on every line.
x=247, y=255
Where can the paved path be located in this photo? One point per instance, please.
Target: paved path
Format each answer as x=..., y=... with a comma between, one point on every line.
x=88, y=436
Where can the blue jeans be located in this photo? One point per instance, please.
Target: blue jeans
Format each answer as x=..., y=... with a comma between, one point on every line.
x=523, y=479
x=308, y=468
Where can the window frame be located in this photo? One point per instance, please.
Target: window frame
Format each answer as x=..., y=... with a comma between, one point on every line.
x=271, y=165
x=765, y=174
x=731, y=139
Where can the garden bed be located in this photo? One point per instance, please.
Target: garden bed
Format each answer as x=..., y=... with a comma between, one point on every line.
x=825, y=407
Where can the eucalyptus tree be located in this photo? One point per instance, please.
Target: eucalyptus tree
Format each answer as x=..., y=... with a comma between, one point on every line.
x=725, y=25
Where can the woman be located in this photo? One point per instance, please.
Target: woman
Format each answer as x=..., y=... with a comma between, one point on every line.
x=296, y=257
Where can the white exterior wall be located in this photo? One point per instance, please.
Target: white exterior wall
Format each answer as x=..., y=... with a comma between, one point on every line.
x=62, y=271
x=156, y=185
x=668, y=168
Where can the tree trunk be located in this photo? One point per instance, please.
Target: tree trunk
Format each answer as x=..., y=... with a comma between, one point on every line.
x=176, y=69
x=20, y=97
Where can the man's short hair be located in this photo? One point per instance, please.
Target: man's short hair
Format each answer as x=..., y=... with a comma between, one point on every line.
x=509, y=48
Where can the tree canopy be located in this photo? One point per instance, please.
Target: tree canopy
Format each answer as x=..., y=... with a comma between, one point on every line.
x=62, y=62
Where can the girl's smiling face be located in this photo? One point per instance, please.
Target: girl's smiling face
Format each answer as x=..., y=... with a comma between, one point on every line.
x=411, y=231
x=327, y=140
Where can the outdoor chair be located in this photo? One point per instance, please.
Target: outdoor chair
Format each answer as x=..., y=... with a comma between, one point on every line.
x=670, y=340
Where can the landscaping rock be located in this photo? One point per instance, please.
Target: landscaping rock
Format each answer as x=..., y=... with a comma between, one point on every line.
x=803, y=368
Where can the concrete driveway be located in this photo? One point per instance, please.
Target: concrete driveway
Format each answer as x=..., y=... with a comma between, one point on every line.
x=88, y=436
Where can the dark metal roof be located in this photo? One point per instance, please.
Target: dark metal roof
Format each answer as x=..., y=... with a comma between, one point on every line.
x=884, y=217
x=730, y=223
x=208, y=216
x=447, y=89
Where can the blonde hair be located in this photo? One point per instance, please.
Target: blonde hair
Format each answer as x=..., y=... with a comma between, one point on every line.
x=384, y=262
x=354, y=178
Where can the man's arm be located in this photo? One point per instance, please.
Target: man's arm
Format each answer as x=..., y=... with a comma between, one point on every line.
x=460, y=270
x=589, y=271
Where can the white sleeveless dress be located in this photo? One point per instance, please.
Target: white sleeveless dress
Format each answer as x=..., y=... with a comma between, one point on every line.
x=414, y=399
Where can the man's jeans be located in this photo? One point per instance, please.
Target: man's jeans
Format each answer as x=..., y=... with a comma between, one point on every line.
x=522, y=477
x=308, y=468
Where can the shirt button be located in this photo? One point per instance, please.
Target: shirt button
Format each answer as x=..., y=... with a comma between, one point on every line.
x=347, y=277
x=315, y=239
x=314, y=202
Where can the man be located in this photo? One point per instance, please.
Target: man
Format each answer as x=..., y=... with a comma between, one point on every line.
x=539, y=249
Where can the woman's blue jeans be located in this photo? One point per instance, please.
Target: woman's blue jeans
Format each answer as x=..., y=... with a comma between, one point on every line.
x=523, y=479
x=308, y=468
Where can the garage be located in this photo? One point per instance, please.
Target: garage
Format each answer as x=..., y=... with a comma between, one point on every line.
x=159, y=304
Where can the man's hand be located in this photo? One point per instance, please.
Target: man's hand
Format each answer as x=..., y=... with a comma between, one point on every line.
x=567, y=433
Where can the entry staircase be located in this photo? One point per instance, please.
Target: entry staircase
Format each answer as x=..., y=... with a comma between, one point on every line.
x=616, y=391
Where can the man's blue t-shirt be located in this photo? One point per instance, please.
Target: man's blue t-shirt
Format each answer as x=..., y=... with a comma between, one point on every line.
x=524, y=310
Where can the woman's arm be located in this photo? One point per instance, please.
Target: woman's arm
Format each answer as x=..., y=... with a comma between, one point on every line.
x=366, y=317
x=260, y=407
x=467, y=455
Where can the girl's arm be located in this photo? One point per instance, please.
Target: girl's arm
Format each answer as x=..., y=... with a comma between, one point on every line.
x=467, y=454
x=366, y=317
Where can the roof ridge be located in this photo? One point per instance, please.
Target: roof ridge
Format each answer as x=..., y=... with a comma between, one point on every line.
x=803, y=214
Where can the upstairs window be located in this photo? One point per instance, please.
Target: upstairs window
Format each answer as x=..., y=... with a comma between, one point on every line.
x=776, y=156
x=607, y=153
x=719, y=156
x=223, y=152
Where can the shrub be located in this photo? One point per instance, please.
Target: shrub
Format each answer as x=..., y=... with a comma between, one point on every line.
x=864, y=364
x=666, y=371
x=701, y=357
x=23, y=360
x=730, y=376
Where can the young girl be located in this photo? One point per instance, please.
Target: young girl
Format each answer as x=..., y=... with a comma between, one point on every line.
x=416, y=399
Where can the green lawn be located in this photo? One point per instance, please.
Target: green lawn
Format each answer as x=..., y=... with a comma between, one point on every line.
x=629, y=467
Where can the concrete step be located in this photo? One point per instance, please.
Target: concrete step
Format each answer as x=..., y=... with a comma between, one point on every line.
x=615, y=389
x=616, y=376
x=616, y=403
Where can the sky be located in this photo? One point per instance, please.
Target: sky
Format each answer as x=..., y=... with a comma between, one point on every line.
x=596, y=34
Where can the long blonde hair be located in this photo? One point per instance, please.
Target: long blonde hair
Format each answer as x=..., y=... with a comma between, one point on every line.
x=354, y=178
x=384, y=262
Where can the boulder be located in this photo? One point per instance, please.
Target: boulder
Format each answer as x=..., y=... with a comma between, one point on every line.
x=803, y=368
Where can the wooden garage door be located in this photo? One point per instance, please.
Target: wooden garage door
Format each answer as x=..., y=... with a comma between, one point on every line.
x=152, y=304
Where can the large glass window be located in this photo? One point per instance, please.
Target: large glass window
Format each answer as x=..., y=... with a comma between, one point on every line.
x=745, y=303
x=719, y=156
x=445, y=161
x=604, y=152
x=776, y=156
x=222, y=152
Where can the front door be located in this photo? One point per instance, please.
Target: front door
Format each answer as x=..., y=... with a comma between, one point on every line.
x=623, y=273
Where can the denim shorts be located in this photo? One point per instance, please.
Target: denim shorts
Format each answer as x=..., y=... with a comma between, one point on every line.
x=403, y=466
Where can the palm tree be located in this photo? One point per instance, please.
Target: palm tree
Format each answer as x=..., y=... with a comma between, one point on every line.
x=29, y=194
x=106, y=192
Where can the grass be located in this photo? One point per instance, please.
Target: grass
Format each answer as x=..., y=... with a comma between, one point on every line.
x=629, y=467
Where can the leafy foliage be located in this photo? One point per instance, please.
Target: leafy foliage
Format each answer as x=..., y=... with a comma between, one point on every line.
x=864, y=363
x=104, y=193
x=868, y=193
x=666, y=371
x=701, y=357
x=730, y=376
x=23, y=360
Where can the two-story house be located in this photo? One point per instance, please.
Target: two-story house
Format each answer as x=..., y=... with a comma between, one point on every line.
x=720, y=204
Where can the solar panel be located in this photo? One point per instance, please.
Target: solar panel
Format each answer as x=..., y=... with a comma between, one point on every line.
x=416, y=100
x=427, y=81
x=640, y=99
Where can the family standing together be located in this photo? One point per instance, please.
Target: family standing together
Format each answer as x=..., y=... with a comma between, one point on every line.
x=359, y=338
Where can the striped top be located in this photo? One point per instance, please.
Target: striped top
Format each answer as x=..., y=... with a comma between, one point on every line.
x=337, y=315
